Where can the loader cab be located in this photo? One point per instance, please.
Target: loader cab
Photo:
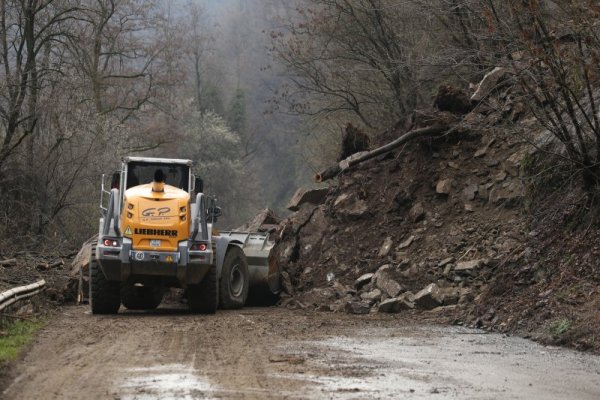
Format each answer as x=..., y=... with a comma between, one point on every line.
x=137, y=171
x=140, y=171
x=136, y=183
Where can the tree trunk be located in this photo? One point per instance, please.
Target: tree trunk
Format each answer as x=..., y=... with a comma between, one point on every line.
x=358, y=158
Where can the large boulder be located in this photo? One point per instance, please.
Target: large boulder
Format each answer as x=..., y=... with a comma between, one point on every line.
x=468, y=265
x=363, y=280
x=307, y=196
x=265, y=220
x=372, y=297
x=350, y=206
x=429, y=298
x=508, y=195
x=395, y=305
x=384, y=281
x=358, y=307
x=444, y=186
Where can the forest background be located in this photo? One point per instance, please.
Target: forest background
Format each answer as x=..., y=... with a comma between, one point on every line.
x=258, y=92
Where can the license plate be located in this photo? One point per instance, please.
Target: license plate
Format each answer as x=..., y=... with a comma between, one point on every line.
x=154, y=243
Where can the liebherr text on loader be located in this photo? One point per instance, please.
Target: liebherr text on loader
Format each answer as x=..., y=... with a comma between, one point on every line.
x=156, y=232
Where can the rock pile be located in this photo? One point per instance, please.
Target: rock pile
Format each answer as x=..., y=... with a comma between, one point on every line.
x=423, y=227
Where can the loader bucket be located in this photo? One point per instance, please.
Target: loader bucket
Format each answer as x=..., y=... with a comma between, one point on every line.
x=257, y=247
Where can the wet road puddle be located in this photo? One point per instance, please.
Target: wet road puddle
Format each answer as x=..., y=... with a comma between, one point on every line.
x=353, y=368
x=181, y=382
x=165, y=382
x=443, y=363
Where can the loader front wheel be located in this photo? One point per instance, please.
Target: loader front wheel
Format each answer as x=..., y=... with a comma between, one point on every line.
x=105, y=295
x=203, y=298
x=235, y=279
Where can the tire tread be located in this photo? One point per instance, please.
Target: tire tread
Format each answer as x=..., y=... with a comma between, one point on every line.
x=104, y=294
x=226, y=300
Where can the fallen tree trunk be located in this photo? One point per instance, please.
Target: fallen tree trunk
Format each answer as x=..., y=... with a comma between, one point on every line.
x=19, y=293
x=12, y=261
x=358, y=158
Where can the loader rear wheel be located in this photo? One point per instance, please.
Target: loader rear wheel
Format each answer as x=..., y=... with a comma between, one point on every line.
x=235, y=279
x=146, y=297
x=203, y=298
x=104, y=294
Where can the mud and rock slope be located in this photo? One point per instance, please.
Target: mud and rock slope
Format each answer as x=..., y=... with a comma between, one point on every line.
x=460, y=228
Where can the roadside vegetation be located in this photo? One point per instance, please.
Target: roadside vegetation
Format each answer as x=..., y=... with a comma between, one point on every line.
x=14, y=336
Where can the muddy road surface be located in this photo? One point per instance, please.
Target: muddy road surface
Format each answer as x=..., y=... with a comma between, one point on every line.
x=260, y=353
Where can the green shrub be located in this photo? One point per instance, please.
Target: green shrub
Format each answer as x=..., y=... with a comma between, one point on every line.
x=560, y=327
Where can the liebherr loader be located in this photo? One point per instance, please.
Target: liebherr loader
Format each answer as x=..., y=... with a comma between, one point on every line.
x=156, y=231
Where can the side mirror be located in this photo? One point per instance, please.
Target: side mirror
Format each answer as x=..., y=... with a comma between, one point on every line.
x=213, y=213
x=115, y=182
x=199, y=185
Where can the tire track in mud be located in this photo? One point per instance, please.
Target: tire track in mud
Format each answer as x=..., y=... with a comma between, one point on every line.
x=243, y=355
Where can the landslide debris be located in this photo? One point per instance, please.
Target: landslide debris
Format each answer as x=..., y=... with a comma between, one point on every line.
x=447, y=227
x=20, y=268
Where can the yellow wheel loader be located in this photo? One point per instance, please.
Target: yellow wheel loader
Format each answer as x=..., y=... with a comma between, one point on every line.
x=156, y=232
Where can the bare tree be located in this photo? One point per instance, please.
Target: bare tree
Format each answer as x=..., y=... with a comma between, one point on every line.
x=356, y=57
x=27, y=29
x=198, y=44
x=560, y=43
x=111, y=51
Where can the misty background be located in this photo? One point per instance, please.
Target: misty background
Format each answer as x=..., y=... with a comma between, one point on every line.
x=228, y=68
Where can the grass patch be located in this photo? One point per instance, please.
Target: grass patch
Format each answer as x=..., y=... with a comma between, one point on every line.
x=560, y=327
x=15, y=335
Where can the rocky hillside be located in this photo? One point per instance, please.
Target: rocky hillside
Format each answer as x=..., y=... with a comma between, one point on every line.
x=459, y=227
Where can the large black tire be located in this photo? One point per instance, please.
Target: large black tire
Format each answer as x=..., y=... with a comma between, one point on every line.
x=141, y=297
x=235, y=280
x=203, y=298
x=104, y=294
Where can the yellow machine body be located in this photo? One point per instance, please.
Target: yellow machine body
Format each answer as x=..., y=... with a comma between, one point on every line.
x=153, y=235
x=155, y=220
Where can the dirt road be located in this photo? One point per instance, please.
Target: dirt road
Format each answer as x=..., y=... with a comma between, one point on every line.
x=280, y=354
